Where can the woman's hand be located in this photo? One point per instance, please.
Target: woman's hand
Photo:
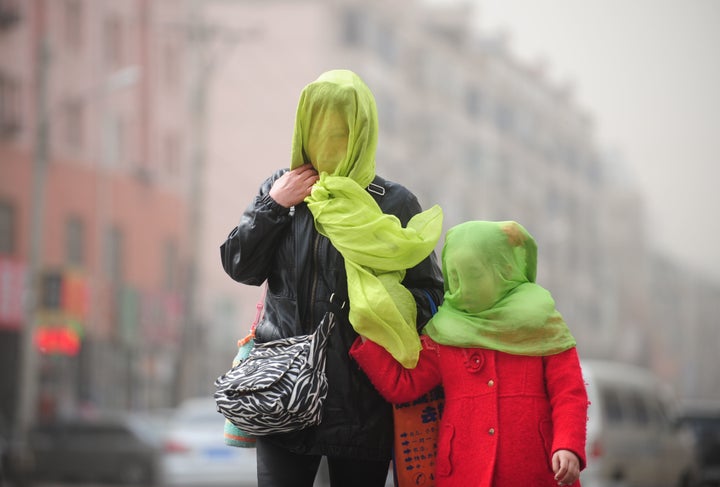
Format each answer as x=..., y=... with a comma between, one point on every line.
x=294, y=186
x=566, y=466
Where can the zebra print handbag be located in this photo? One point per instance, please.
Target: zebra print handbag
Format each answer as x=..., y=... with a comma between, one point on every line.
x=280, y=386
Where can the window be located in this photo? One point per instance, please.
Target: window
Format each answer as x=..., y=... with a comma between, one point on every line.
x=73, y=23
x=473, y=103
x=75, y=241
x=657, y=415
x=612, y=406
x=172, y=154
x=638, y=409
x=170, y=258
x=113, y=42
x=504, y=117
x=74, y=115
x=114, y=149
x=113, y=254
x=387, y=113
x=570, y=157
x=386, y=44
x=171, y=65
x=554, y=203
x=9, y=13
x=594, y=171
x=9, y=105
x=50, y=290
x=504, y=171
x=354, y=23
x=474, y=159
x=7, y=228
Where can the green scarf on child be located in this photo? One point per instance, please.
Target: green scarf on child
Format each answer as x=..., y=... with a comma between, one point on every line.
x=491, y=298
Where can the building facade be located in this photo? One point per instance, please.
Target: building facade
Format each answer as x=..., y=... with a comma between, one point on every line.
x=133, y=135
x=93, y=203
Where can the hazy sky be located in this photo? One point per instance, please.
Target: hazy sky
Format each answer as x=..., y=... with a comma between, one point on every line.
x=649, y=73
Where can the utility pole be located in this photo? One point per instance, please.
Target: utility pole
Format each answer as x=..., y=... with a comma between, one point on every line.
x=28, y=370
x=204, y=41
x=191, y=337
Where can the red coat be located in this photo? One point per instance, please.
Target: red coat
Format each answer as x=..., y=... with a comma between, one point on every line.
x=504, y=415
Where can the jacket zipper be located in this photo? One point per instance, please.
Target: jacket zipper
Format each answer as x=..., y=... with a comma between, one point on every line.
x=313, y=287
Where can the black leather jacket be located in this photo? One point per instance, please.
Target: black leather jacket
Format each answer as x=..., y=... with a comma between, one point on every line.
x=306, y=277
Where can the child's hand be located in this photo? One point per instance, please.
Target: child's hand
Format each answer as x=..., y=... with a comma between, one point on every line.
x=566, y=466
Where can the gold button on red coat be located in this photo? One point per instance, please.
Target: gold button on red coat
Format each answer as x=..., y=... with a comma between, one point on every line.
x=491, y=431
x=491, y=383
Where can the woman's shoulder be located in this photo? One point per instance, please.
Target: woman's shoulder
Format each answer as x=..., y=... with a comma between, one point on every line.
x=393, y=197
x=381, y=184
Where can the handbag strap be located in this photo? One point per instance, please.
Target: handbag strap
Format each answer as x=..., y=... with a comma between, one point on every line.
x=258, y=316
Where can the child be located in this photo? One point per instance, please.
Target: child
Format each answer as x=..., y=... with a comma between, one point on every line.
x=515, y=401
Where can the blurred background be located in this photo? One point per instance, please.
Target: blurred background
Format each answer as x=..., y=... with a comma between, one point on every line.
x=134, y=133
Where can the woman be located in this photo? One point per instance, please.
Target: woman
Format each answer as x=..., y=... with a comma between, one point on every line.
x=331, y=235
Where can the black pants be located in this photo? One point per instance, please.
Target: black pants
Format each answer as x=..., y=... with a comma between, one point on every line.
x=277, y=467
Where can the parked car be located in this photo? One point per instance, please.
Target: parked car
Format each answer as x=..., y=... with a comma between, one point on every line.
x=634, y=438
x=704, y=420
x=195, y=454
x=4, y=452
x=118, y=449
x=15, y=461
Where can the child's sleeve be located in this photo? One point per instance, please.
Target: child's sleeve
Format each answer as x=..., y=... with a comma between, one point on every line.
x=393, y=381
x=569, y=402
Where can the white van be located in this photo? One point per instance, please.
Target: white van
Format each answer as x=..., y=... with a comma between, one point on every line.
x=633, y=437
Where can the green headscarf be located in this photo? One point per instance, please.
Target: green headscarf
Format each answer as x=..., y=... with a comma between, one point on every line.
x=336, y=130
x=491, y=298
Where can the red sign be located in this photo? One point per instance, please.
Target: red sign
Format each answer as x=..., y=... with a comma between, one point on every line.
x=62, y=340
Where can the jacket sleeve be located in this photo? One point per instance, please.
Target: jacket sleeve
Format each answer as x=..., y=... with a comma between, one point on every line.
x=248, y=251
x=569, y=402
x=393, y=381
x=425, y=280
x=425, y=283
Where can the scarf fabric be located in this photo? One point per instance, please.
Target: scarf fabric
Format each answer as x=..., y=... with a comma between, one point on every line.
x=336, y=130
x=491, y=298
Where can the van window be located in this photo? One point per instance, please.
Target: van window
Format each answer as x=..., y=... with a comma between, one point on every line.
x=657, y=412
x=612, y=408
x=638, y=410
